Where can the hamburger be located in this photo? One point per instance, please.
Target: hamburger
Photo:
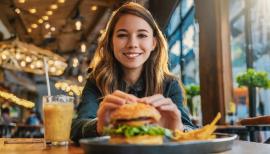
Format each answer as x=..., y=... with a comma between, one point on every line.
x=135, y=123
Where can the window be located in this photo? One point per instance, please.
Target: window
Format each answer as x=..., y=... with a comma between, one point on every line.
x=182, y=34
x=190, y=55
x=185, y=6
x=253, y=15
x=174, y=21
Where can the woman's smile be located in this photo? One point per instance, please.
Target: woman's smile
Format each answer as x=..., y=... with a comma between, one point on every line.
x=132, y=55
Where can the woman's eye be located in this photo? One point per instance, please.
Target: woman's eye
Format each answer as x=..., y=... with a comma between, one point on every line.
x=121, y=35
x=142, y=36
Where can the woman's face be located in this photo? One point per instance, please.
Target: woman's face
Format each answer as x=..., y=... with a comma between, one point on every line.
x=133, y=42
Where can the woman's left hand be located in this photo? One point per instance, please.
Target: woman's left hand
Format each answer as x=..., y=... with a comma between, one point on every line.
x=170, y=115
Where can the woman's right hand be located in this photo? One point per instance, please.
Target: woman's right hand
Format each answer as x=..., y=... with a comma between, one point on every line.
x=109, y=104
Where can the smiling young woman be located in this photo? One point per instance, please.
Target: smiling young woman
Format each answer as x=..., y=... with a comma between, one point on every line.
x=133, y=42
x=130, y=65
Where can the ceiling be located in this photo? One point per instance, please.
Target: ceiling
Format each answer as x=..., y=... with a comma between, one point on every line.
x=67, y=27
x=51, y=24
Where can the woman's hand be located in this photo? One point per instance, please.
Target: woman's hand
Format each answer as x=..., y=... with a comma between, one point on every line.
x=170, y=115
x=109, y=104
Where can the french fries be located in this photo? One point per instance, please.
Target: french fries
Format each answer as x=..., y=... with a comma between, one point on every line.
x=204, y=133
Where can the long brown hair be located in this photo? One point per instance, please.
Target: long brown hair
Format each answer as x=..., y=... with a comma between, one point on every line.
x=106, y=69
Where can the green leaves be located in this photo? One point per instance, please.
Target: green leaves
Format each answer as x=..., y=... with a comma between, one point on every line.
x=252, y=78
x=130, y=131
x=192, y=90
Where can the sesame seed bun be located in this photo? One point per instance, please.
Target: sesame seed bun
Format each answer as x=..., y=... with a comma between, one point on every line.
x=134, y=111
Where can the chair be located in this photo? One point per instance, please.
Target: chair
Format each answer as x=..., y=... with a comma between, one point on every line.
x=28, y=131
x=241, y=131
x=6, y=130
x=255, y=124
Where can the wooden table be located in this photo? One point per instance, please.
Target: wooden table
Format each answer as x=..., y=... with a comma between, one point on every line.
x=239, y=147
x=246, y=147
x=34, y=146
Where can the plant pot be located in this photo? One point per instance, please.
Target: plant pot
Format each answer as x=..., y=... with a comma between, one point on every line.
x=252, y=101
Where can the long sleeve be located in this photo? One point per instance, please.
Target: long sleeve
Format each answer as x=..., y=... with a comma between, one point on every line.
x=85, y=123
x=174, y=92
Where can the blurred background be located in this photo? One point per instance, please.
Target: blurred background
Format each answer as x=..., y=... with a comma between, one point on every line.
x=215, y=48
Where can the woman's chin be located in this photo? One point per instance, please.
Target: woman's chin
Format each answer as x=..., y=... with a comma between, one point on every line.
x=131, y=66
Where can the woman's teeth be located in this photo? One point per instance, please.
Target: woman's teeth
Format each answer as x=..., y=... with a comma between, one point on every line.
x=132, y=55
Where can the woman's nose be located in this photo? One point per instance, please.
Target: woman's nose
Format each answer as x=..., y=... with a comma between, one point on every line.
x=132, y=42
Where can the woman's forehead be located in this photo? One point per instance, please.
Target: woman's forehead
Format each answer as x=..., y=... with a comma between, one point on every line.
x=132, y=22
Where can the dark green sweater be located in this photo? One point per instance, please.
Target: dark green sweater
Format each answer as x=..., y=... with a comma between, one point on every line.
x=84, y=125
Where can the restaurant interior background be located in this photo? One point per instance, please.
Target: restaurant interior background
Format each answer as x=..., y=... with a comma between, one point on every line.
x=65, y=32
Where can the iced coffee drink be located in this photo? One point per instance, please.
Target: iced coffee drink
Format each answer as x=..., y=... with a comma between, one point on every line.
x=58, y=113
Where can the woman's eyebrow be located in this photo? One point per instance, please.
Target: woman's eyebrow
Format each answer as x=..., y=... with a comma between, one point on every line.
x=121, y=30
x=143, y=30
x=140, y=30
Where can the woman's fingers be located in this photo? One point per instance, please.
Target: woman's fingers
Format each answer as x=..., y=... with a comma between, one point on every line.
x=120, y=98
x=128, y=97
x=161, y=102
x=151, y=99
x=103, y=114
x=167, y=107
x=105, y=109
x=170, y=108
x=114, y=99
x=170, y=115
x=109, y=106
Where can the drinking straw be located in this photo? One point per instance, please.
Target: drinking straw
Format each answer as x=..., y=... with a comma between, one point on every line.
x=47, y=76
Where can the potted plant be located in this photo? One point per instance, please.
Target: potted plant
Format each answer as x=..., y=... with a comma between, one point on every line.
x=191, y=92
x=253, y=79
